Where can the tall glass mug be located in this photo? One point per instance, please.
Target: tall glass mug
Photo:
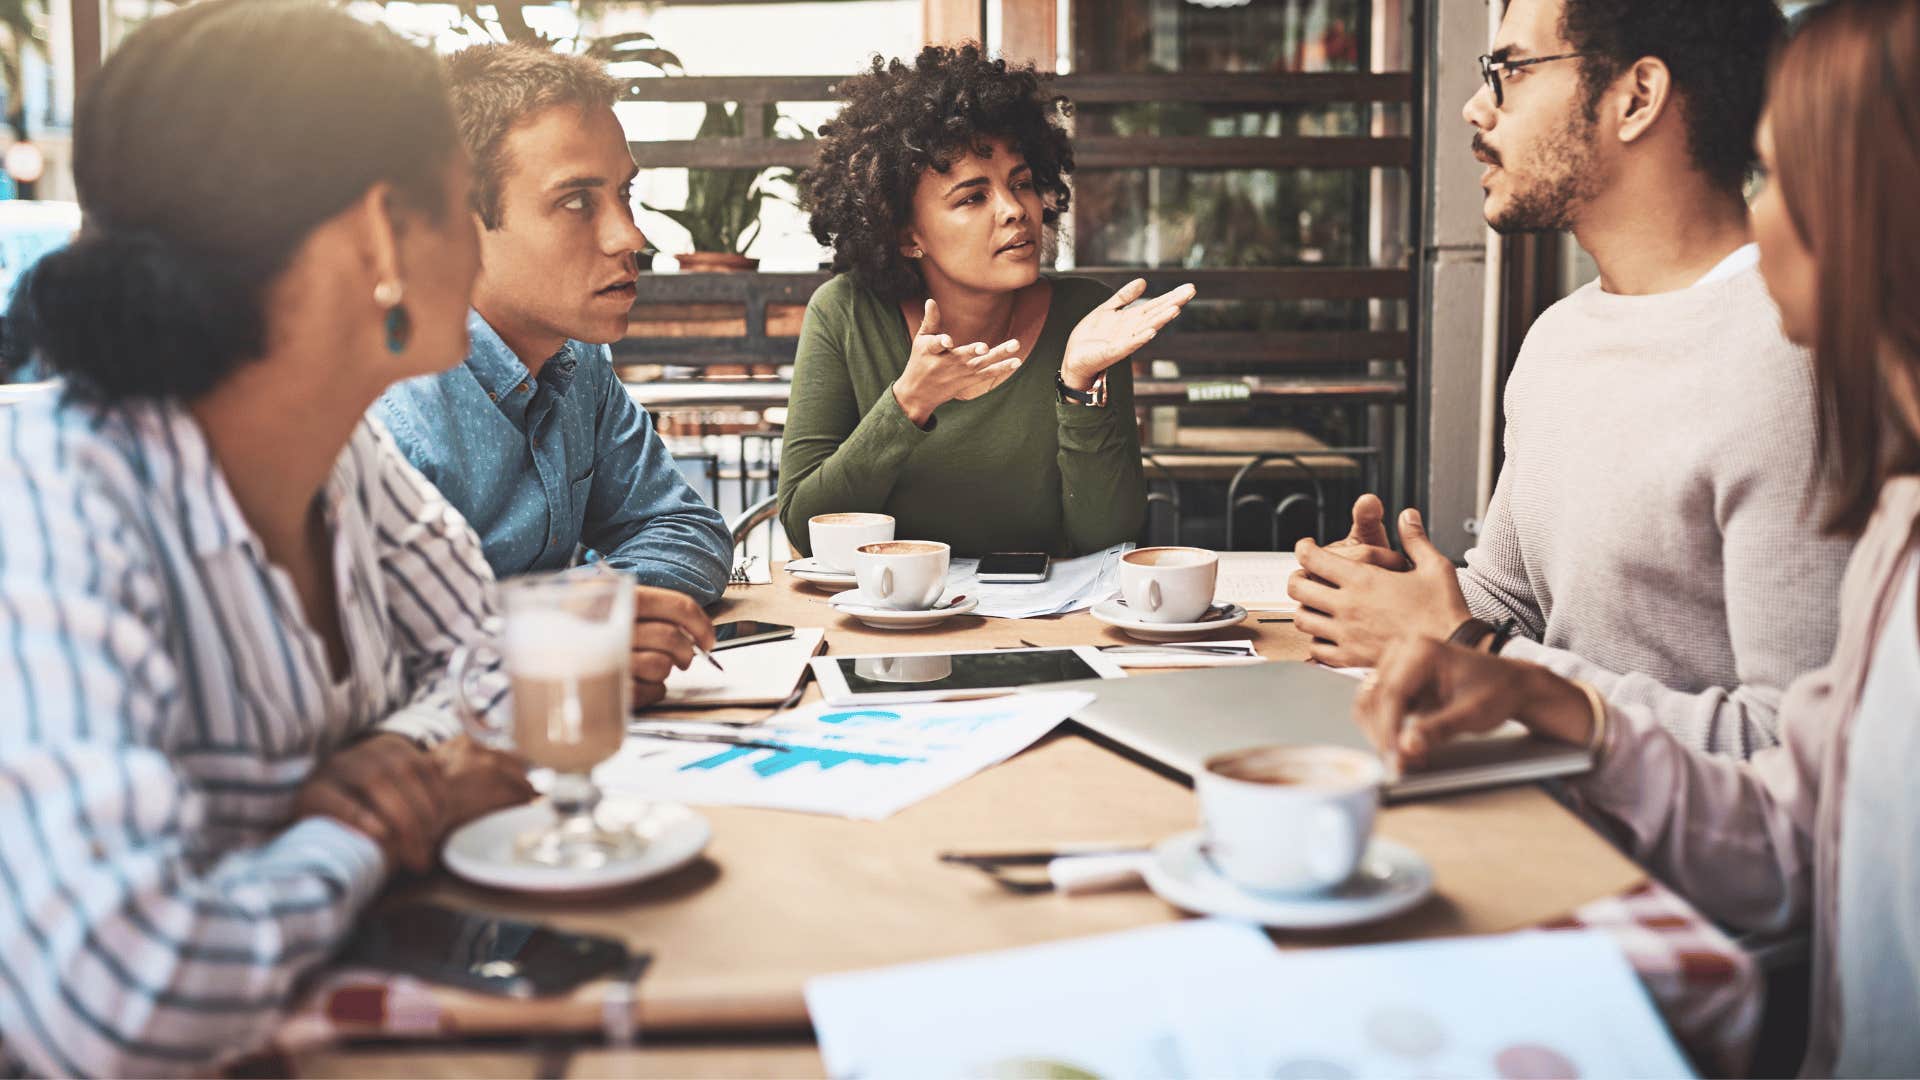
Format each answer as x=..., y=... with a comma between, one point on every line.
x=564, y=647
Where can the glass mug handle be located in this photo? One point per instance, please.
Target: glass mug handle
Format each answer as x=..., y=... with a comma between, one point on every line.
x=461, y=672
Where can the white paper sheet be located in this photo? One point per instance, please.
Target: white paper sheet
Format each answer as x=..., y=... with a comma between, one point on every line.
x=1536, y=1003
x=1210, y=998
x=1071, y=585
x=1256, y=580
x=864, y=762
x=762, y=674
x=1145, y=654
x=1101, y=1006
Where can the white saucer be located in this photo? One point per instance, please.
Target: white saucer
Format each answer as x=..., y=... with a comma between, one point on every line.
x=482, y=850
x=1392, y=878
x=1114, y=612
x=860, y=606
x=813, y=573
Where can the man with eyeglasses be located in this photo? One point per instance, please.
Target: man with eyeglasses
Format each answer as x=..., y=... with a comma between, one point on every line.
x=1651, y=531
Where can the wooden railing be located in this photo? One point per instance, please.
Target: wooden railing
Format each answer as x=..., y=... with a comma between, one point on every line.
x=749, y=322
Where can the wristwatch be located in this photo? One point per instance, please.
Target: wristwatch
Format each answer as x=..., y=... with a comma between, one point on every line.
x=1094, y=396
x=1474, y=631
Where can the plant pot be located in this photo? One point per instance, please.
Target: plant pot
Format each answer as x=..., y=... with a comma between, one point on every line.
x=705, y=262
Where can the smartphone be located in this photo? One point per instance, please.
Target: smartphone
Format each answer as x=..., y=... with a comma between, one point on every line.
x=479, y=952
x=1013, y=566
x=729, y=635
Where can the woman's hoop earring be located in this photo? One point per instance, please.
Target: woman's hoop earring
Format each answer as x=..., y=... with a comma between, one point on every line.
x=399, y=324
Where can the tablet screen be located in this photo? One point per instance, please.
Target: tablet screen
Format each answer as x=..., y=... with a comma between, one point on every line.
x=961, y=671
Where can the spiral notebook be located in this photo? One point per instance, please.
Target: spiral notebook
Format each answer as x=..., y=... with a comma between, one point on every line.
x=763, y=674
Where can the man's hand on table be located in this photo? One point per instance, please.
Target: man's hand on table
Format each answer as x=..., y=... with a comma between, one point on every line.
x=1354, y=607
x=389, y=789
x=665, y=625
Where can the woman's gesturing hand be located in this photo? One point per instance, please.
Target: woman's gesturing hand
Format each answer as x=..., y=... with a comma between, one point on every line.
x=939, y=371
x=1113, y=331
x=1425, y=692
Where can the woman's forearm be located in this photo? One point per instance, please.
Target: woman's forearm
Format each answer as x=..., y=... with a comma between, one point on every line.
x=1103, y=486
x=824, y=474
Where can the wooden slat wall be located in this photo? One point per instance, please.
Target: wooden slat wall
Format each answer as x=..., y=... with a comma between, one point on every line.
x=741, y=301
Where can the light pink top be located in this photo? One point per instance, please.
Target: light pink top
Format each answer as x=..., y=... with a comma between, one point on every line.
x=1756, y=845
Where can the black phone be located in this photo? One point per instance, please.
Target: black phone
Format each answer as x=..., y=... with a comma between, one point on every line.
x=479, y=952
x=728, y=635
x=1013, y=566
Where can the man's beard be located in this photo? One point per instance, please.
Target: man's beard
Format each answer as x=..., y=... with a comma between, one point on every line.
x=1564, y=176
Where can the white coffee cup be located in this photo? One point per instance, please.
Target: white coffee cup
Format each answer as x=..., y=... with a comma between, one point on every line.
x=905, y=575
x=1168, y=584
x=1289, y=819
x=904, y=669
x=834, y=537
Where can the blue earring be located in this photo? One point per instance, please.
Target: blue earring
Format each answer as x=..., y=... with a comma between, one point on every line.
x=399, y=326
x=399, y=329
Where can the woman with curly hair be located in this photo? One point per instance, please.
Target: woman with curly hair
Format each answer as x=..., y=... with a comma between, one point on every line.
x=936, y=186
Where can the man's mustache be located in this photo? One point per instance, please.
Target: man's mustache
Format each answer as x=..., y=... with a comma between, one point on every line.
x=1484, y=152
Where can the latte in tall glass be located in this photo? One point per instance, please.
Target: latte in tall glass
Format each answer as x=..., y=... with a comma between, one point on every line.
x=571, y=691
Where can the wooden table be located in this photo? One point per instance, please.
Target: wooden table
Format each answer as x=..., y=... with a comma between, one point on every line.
x=1219, y=453
x=781, y=897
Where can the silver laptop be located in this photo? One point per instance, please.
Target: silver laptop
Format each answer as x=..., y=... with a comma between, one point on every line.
x=1182, y=719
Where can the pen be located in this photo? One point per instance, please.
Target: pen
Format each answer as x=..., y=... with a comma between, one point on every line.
x=702, y=652
x=704, y=737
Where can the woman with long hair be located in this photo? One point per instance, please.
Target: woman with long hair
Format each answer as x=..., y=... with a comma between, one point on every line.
x=1823, y=832
x=226, y=601
x=941, y=377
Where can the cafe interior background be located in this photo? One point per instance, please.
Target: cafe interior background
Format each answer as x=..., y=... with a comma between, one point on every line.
x=1302, y=161
x=1355, y=320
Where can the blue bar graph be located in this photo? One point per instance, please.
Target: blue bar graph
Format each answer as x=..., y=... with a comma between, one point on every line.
x=860, y=717
x=777, y=762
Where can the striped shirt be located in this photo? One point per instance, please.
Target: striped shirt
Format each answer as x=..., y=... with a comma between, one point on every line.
x=162, y=699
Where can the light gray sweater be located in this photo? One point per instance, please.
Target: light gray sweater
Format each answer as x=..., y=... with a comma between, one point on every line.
x=1652, y=530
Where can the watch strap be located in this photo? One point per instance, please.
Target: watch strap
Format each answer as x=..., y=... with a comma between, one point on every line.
x=1094, y=396
x=1474, y=631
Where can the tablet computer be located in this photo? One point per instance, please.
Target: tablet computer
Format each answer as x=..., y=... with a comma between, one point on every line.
x=891, y=678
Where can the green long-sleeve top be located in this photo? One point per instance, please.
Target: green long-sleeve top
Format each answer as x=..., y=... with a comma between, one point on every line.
x=1010, y=470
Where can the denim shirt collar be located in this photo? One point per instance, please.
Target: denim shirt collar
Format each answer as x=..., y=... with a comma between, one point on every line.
x=501, y=374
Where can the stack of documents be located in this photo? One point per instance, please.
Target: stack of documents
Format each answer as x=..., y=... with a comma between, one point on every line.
x=1071, y=585
x=1256, y=580
x=862, y=762
x=1210, y=998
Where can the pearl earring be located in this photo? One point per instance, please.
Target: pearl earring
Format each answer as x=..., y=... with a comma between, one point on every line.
x=399, y=325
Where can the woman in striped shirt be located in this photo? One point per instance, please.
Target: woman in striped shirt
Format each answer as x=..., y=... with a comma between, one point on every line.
x=226, y=601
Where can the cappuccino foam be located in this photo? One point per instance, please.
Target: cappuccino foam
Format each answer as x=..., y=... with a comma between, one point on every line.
x=558, y=645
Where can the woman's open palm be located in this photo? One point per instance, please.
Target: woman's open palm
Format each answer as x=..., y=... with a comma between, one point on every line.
x=1113, y=331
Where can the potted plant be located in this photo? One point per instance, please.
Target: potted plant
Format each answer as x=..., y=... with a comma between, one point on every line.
x=722, y=211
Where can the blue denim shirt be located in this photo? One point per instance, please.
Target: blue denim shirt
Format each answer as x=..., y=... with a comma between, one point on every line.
x=540, y=465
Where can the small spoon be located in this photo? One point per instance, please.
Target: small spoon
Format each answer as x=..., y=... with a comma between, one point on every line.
x=955, y=602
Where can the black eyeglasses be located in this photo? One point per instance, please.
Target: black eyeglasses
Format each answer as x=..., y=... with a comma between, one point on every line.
x=1491, y=68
